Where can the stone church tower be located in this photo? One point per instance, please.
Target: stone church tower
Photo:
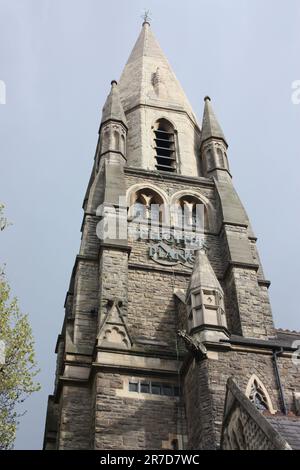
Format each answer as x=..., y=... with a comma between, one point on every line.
x=167, y=319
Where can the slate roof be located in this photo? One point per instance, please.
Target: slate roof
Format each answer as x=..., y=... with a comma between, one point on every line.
x=287, y=336
x=288, y=427
x=284, y=339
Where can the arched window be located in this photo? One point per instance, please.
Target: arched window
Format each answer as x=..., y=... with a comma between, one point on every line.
x=123, y=144
x=226, y=161
x=139, y=209
x=220, y=158
x=164, y=144
x=258, y=395
x=191, y=214
x=105, y=140
x=148, y=205
x=209, y=160
x=116, y=145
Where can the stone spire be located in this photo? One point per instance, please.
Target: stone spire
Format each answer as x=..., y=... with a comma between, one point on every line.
x=113, y=109
x=203, y=275
x=210, y=125
x=205, y=301
x=148, y=77
x=150, y=93
x=213, y=145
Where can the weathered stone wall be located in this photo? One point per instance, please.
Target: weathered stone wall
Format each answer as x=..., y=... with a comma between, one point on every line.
x=122, y=422
x=140, y=255
x=252, y=309
x=85, y=305
x=113, y=281
x=290, y=377
x=90, y=243
x=211, y=376
x=240, y=366
x=75, y=431
x=151, y=305
x=199, y=407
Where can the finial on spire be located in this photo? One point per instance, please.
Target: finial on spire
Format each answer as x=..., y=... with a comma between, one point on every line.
x=114, y=82
x=146, y=17
x=207, y=98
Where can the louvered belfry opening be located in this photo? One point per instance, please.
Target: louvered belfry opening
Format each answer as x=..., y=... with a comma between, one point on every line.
x=165, y=146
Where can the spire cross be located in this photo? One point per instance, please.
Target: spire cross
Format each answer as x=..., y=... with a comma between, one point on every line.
x=146, y=17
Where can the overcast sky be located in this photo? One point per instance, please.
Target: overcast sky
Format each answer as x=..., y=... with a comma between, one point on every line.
x=57, y=58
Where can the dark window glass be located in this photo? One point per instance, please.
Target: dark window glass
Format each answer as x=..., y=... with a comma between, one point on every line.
x=133, y=386
x=145, y=387
x=167, y=390
x=155, y=389
x=176, y=391
x=174, y=444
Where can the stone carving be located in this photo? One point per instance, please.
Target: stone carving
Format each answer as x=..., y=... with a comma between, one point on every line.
x=164, y=253
x=243, y=433
x=115, y=335
x=159, y=84
x=171, y=251
x=113, y=331
x=193, y=344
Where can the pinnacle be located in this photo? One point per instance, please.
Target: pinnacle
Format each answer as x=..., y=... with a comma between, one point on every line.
x=210, y=125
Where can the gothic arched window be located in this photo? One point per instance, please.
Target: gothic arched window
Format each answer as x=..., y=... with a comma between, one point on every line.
x=148, y=205
x=123, y=144
x=220, y=158
x=116, y=141
x=164, y=144
x=258, y=395
x=105, y=140
x=209, y=160
x=191, y=214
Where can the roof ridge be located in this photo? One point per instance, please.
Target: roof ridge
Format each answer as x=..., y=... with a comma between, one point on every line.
x=283, y=330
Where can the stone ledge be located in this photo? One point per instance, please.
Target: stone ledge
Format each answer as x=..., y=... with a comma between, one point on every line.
x=115, y=246
x=259, y=343
x=142, y=267
x=167, y=176
x=137, y=362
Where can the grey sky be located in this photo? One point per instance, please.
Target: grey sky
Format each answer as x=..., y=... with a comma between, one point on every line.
x=57, y=58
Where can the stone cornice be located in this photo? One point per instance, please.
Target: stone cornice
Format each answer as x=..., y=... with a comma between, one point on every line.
x=169, y=176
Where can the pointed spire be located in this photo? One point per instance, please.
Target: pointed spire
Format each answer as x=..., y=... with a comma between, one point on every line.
x=146, y=45
x=205, y=301
x=113, y=109
x=137, y=83
x=203, y=275
x=210, y=125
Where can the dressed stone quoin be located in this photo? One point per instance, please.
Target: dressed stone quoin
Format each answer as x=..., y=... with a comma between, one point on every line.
x=168, y=340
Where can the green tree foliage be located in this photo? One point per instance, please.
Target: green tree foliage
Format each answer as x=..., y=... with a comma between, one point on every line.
x=17, y=360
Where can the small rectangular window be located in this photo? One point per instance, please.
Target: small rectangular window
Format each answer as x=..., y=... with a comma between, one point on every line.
x=133, y=386
x=176, y=391
x=167, y=390
x=145, y=387
x=155, y=389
